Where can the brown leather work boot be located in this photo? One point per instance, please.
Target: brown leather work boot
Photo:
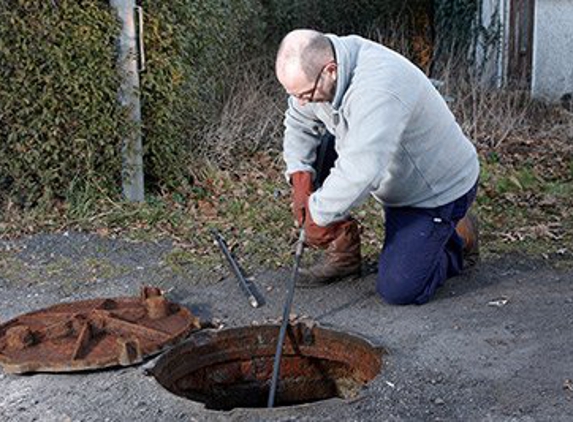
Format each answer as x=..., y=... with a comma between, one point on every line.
x=467, y=228
x=341, y=259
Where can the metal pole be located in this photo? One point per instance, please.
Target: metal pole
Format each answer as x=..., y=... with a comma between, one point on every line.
x=132, y=171
x=235, y=267
x=285, y=321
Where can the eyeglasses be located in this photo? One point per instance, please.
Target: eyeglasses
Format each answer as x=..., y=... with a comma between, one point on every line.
x=309, y=94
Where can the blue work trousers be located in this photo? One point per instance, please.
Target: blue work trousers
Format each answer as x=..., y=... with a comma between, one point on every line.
x=421, y=250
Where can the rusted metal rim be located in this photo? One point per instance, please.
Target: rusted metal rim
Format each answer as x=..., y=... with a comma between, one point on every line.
x=93, y=334
x=232, y=368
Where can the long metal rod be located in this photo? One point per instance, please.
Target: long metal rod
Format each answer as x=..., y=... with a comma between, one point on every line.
x=284, y=324
x=235, y=267
x=140, y=44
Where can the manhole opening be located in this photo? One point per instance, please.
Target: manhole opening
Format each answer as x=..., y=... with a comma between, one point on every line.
x=233, y=368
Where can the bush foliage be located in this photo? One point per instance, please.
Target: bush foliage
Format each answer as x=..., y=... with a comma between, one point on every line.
x=192, y=48
x=60, y=124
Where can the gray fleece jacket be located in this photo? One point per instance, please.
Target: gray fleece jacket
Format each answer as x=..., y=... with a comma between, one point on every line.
x=396, y=139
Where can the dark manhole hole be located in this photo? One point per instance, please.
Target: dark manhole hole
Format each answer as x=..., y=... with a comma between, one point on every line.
x=233, y=367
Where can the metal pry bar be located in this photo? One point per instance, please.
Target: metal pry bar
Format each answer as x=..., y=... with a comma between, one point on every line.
x=235, y=267
x=286, y=313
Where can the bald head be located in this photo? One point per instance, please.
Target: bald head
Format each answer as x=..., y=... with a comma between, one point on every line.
x=301, y=54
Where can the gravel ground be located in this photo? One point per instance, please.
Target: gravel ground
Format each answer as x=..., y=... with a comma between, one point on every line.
x=496, y=344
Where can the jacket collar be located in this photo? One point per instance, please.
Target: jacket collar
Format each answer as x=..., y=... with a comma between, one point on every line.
x=344, y=61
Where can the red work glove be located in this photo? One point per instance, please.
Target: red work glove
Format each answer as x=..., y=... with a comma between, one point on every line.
x=321, y=237
x=301, y=190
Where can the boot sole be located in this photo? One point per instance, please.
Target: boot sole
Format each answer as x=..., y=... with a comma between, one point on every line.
x=334, y=280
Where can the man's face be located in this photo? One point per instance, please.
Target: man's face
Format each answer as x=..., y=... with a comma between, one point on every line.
x=322, y=89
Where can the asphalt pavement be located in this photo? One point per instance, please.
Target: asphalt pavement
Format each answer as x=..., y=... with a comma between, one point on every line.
x=496, y=344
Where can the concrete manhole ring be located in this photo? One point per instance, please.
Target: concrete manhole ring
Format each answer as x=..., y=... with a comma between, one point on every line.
x=232, y=368
x=92, y=334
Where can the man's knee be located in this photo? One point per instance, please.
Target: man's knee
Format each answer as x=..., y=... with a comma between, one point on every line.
x=396, y=290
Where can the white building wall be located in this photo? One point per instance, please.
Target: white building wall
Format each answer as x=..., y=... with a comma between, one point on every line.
x=552, y=49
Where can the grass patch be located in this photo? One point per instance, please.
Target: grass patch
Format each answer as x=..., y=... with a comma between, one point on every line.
x=12, y=268
x=16, y=271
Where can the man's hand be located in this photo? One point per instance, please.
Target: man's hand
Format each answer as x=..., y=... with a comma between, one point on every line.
x=301, y=190
x=315, y=235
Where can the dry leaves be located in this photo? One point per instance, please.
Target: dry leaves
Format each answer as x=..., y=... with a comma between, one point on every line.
x=549, y=231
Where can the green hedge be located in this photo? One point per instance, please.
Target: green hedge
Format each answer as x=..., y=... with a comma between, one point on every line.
x=192, y=48
x=60, y=124
x=338, y=16
x=456, y=24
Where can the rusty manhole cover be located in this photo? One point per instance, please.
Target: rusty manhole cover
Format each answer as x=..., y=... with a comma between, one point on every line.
x=233, y=367
x=92, y=334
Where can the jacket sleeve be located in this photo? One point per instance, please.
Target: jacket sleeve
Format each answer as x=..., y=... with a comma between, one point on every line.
x=375, y=128
x=301, y=138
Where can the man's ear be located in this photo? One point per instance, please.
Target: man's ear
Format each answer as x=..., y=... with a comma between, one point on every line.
x=333, y=70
